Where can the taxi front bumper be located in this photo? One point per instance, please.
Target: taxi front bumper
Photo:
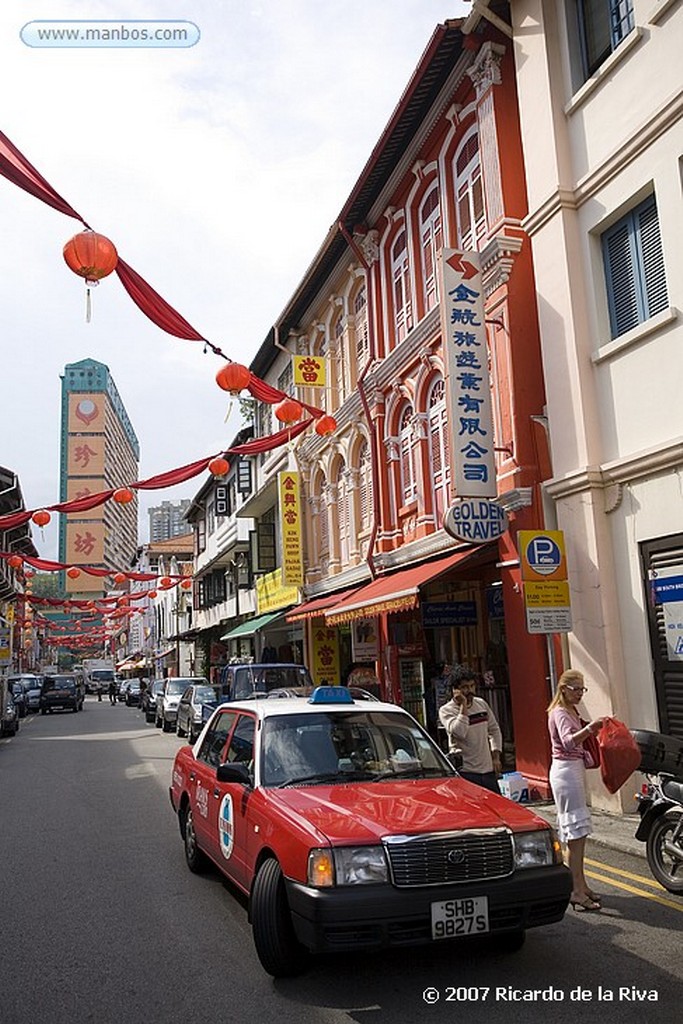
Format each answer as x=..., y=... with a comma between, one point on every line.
x=382, y=916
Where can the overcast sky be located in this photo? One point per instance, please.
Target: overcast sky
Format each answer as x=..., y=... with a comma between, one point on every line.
x=216, y=170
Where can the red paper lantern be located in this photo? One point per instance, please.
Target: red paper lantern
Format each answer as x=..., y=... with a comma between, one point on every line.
x=73, y=573
x=123, y=495
x=288, y=411
x=15, y=561
x=165, y=582
x=325, y=425
x=186, y=584
x=120, y=577
x=219, y=466
x=91, y=256
x=233, y=377
x=151, y=594
x=41, y=517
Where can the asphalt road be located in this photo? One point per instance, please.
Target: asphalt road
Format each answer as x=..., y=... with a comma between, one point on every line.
x=102, y=922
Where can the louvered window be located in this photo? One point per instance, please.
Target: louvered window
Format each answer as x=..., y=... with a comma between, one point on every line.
x=341, y=360
x=364, y=486
x=343, y=518
x=469, y=194
x=430, y=229
x=360, y=311
x=400, y=271
x=323, y=532
x=408, y=482
x=602, y=26
x=438, y=449
x=634, y=268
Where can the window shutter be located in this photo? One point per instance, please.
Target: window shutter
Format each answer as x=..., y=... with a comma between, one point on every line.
x=654, y=275
x=621, y=278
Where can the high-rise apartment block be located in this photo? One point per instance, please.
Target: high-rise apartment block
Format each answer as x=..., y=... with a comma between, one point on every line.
x=99, y=450
x=168, y=520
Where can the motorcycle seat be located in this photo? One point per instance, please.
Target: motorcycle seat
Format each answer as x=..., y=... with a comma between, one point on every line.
x=673, y=789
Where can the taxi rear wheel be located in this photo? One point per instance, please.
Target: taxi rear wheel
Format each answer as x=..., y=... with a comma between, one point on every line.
x=277, y=947
x=196, y=860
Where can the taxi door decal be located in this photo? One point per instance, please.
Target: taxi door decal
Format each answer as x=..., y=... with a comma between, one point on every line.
x=226, y=826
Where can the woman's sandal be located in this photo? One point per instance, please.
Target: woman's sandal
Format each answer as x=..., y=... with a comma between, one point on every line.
x=595, y=896
x=585, y=905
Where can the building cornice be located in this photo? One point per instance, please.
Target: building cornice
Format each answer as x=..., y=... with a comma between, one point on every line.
x=637, y=465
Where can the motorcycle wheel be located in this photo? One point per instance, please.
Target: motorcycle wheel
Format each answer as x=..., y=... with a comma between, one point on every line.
x=667, y=868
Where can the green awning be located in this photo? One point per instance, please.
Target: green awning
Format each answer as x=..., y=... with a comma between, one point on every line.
x=251, y=626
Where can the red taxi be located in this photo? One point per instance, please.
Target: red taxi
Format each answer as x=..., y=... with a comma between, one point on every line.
x=349, y=829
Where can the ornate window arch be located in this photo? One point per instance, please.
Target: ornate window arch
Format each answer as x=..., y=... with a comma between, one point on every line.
x=400, y=278
x=406, y=440
x=439, y=449
x=469, y=192
x=430, y=244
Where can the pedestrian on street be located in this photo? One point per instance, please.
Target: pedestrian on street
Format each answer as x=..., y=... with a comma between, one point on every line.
x=99, y=691
x=112, y=692
x=472, y=729
x=568, y=733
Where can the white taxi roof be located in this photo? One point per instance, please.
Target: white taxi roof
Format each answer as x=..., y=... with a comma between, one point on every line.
x=264, y=707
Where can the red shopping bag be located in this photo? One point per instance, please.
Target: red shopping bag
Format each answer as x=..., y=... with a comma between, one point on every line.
x=619, y=753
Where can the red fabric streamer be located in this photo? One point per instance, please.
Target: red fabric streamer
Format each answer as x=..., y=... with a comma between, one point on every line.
x=156, y=308
x=265, y=444
x=16, y=168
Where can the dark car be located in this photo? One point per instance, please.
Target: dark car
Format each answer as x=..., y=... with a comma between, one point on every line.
x=247, y=681
x=19, y=696
x=60, y=693
x=133, y=694
x=31, y=685
x=148, y=704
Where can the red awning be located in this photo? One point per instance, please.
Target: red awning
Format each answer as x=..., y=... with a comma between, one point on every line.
x=393, y=593
x=317, y=606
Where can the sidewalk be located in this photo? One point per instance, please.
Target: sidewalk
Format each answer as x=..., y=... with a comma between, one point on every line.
x=611, y=830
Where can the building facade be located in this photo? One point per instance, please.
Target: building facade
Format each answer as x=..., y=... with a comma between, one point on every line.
x=20, y=635
x=98, y=451
x=168, y=520
x=604, y=184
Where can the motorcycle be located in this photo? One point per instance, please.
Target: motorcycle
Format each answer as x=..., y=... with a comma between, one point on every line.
x=660, y=805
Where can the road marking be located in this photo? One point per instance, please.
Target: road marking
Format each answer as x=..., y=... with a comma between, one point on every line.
x=631, y=888
x=625, y=874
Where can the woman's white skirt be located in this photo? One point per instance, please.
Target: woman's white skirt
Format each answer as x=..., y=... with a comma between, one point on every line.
x=568, y=782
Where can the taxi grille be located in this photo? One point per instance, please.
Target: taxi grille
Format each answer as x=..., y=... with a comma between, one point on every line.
x=441, y=858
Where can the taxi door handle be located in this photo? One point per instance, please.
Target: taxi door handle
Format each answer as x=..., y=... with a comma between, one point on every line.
x=192, y=776
x=216, y=793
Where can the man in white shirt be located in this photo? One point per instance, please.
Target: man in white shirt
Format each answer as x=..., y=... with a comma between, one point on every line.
x=472, y=730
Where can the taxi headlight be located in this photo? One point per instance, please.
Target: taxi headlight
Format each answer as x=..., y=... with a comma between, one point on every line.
x=347, y=865
x=536, y=849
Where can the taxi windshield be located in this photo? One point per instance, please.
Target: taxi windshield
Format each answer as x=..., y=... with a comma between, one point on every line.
x=347, y=746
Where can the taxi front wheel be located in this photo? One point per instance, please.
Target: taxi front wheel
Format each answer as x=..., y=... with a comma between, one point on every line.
x=197, y=861
x=277, y=947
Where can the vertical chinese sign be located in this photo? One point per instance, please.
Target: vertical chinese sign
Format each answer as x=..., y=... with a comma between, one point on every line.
x=289, y=490
x=466, y=356
x=325, y=654
x=85, y=475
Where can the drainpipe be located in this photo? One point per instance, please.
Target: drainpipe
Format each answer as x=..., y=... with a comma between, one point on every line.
x=374, y=456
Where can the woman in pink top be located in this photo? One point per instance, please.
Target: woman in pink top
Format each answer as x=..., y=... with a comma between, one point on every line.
x=568, y=780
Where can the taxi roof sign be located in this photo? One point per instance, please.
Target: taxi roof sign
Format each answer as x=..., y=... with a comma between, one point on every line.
x=331, y=695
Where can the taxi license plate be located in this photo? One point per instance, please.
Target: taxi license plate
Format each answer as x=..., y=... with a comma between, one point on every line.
x=454, y=918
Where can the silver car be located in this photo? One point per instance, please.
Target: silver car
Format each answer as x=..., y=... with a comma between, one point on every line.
x=169, y=699
x=189, y=720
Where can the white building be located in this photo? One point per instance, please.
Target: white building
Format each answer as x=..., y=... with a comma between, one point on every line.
x=600, y=93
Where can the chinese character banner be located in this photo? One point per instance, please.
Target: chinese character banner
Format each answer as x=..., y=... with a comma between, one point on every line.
x=289, y=488
x=466, y=353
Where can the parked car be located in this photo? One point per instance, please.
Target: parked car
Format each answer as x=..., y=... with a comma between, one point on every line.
x=148, y=705
x=133, y=693
x=248, y=681
x=349, y=829
x=18, y=696
x=169, y=698
x=122, y=689
x=32, y=685
x=9, y=717
x=189, y=718
x=60, y=693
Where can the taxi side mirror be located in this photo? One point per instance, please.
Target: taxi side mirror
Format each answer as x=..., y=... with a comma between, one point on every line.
x=233, y=771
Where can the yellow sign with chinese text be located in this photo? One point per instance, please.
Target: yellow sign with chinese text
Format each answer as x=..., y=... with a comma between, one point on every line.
x=289, y=490
x=310, y=371
x=85, y=544
x=85, y=455
x=272, y=594
x=325, y=654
